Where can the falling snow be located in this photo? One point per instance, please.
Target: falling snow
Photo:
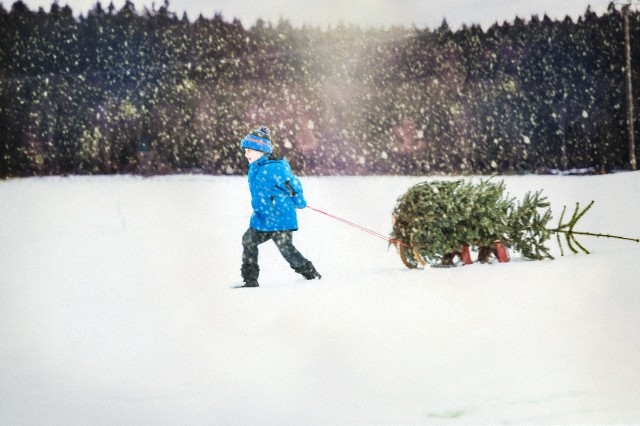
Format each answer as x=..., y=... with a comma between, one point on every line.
x=148, y=92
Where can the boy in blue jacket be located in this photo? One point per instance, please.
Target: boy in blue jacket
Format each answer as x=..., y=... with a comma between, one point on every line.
x=275, y=195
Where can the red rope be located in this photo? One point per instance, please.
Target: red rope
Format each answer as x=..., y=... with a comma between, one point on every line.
x=362, y=228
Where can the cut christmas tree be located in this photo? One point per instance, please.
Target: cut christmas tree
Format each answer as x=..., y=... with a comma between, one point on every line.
x=439, y=222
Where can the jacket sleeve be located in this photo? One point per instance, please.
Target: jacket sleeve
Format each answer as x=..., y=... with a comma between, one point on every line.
x=294, y=186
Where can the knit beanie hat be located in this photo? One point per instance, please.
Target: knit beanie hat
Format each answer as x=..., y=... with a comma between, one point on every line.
x=258, y=140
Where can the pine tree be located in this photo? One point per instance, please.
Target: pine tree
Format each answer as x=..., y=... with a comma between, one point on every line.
x=434, y=221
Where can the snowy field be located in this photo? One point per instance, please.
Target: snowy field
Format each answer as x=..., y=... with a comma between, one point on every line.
x=116, y=308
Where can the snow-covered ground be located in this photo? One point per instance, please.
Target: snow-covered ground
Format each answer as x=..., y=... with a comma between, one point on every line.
x=116, y=307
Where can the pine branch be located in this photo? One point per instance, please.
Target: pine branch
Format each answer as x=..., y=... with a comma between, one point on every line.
x=570, y=234
x=592, y=234
x=564, y=209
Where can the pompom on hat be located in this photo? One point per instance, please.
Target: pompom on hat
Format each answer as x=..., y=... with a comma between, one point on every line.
x=258, y=140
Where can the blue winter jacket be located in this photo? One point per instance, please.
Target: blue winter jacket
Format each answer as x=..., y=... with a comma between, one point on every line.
x=275, y=195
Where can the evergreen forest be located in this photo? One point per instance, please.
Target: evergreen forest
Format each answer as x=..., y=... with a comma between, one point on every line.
x=149, y=92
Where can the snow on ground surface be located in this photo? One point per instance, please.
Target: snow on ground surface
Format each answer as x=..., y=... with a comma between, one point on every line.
x=116, y=307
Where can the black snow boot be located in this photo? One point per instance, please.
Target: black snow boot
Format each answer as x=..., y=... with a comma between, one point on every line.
x=247, y=284
x=249, y=274
x=308, y=271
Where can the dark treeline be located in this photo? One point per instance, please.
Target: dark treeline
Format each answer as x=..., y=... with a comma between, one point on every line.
x=127, y=91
